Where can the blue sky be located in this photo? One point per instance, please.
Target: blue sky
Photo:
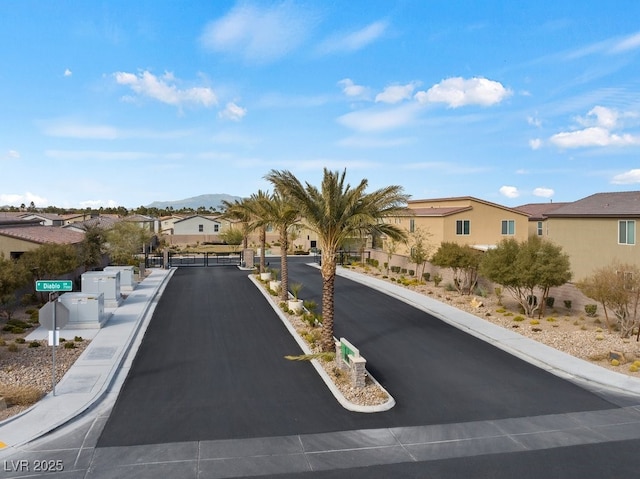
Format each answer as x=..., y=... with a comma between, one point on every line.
x=122, y=103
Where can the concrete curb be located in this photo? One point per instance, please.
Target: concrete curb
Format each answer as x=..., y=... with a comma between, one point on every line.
x=561, y=364
x=344, y=402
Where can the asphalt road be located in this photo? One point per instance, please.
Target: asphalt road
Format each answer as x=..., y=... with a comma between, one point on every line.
x=211, y=367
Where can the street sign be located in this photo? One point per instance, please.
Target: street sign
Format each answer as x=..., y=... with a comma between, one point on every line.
x=52, y=286
x=49, y=311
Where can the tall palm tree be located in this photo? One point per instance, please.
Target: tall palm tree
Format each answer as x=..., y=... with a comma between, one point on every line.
x=257, y=205
x=278, y=211
x=239, y=211
x=336, y=213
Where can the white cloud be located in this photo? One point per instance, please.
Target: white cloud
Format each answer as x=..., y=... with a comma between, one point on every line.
x=592, y=136
x=67, y=72
x=259, y=33
x=457, y=92
x=99, y=203
x=543, y=192
x=374, y=142
x=627, y=178
x=75, y=130
x=600, y=116
x=509, y=191
x=11, y=155
x=379, y=119
x=88, y=155
x=352, y=90
x=534, y=121
x=165, y=90
x=233, y=112
x=396, y=93
x=535, y=143
x=19, y=199
x=628, y=43
x=356, y=40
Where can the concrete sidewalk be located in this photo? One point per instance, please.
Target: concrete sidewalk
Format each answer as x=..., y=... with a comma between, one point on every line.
x=92, y=375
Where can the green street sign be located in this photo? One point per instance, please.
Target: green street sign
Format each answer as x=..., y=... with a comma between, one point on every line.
x=52, y=286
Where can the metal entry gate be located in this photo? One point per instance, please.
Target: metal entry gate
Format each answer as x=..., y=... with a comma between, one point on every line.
x=194, y=260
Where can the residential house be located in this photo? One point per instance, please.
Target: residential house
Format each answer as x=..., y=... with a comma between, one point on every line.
x=463, y=220
x=47, y=219
x=538, y=216
x=597, y=231
x=102, y=222
x=16, y=239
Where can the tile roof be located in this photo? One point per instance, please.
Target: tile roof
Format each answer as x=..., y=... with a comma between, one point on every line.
x=618, y=204
x=438, y=211
x=43, y=234
x=539, y=211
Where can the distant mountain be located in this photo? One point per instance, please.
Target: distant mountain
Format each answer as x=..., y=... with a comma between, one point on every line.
x=196, y=202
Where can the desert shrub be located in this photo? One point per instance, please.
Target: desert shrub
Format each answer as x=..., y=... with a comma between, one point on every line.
x=426, y=276
x=501, y=310
x=403, y=270
x=69, y=345
x=551, y=319
x=34, y=344
x=20, y=395
x=20, y=340
x=412, y=272
x=78, y=339
x=549, y=301
x=590, y=309
x=437, y=279
x=534, y=322
x=449, y=287
x=13, y=347
x=518, y=318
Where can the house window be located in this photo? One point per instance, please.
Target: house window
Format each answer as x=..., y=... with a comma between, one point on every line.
x=216, y=228
x=462, y=227
x=412, y=226
x=200, y=228
x=508, y=227
x=539, y=230
x=627, y=232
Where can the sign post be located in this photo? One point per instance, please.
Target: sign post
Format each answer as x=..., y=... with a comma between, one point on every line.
x=53, y=287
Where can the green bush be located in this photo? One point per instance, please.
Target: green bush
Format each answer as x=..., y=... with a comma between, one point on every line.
x=590, y=309
x=518, y=318
x=78, y=339
x=69, y=345
x=20, y=340
x=412, y=272
x=426, y=276
x=34, y=344
x=437, y=279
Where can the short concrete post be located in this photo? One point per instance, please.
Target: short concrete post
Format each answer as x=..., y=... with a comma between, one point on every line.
x=358, y=371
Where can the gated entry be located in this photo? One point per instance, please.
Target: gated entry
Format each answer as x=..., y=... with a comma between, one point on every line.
x=194, y=260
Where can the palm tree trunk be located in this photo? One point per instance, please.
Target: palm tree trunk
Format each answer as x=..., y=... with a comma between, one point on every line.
x=328, y=287
x=263, y=242
x=284, y=273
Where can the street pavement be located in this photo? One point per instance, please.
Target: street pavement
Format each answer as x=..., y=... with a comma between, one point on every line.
x=210, y=395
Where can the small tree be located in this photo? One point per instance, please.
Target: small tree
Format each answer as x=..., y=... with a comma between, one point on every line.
x=13, y=276
x=616, y=287
x=390, y=247
x=233, y=237
x=125, y=240
x=92, y=247
x=524, y=267
x=50, y=260
x=420, y=249
x=463, y=262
